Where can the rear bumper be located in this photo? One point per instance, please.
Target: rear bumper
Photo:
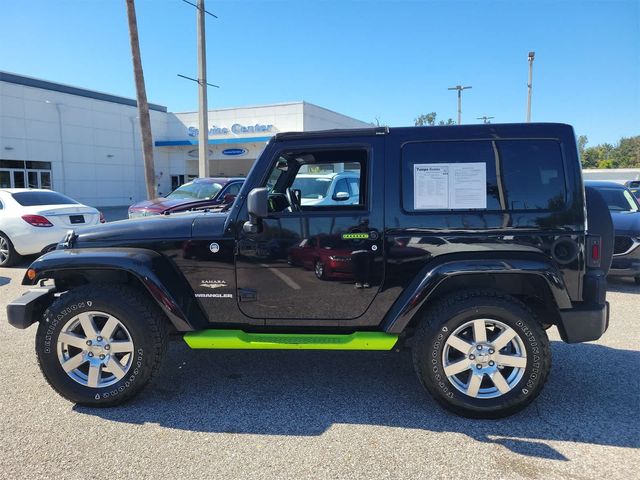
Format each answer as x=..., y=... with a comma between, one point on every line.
x=584, y=324
x=28, y=308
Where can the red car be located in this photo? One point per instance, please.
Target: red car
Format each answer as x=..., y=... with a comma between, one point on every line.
x=199, y=193
x=329, y=257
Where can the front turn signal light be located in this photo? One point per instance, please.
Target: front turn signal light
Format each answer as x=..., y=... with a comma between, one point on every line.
x=31, y=274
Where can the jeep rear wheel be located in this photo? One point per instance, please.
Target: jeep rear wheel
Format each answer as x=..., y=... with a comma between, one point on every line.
x=98, y=351
x=482, y=354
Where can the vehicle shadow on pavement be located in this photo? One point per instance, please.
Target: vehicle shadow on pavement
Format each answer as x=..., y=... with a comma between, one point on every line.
x=4, y=281
x=304, y=393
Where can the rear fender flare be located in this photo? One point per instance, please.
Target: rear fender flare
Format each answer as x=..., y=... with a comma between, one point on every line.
x=166, y=285
x=417, y=293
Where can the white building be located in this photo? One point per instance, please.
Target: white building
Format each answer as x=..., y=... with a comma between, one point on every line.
x=87, y=144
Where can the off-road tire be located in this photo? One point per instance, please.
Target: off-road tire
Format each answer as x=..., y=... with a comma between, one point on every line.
x=448, y=314
x=13, y=256
x=142, y=318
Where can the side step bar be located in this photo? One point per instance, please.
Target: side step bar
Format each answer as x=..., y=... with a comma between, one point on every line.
x=239, y=340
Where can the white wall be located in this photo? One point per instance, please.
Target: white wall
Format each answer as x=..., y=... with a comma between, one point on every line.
x=100, y=148
x=96, y=156
x=319, y=118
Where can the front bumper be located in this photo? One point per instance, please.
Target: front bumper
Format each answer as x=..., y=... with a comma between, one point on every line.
x=584, y=324
x=28, y=308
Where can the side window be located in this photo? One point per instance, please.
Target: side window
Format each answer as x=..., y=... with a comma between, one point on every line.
x=499, y=175
x=429, y=180
x=312, y=174
x=533, y=174
x=233, y=189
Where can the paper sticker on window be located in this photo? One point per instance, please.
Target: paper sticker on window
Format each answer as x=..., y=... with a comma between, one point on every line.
x=449, y=186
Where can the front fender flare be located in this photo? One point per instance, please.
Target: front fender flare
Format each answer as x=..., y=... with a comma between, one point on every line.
x=425, y=283
x=166, y=285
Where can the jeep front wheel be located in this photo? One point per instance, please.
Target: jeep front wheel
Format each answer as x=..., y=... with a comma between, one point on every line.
x=482, y=354
x=98, y=345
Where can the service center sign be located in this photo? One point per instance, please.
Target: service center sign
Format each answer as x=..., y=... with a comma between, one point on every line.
x=236, y=129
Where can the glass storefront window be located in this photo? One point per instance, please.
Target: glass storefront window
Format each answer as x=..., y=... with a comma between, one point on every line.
x=18, y=179
x=33, y=179
x=45, y=180
x=5, y=179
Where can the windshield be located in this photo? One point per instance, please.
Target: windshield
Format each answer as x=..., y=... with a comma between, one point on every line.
x=31, y=199
x=619, y=200
x=314, y=187
x=196, y=191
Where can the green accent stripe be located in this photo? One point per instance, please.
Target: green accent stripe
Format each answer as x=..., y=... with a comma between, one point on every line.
x=238, y=340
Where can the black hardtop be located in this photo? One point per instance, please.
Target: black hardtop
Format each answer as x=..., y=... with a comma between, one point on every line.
x=492, y=130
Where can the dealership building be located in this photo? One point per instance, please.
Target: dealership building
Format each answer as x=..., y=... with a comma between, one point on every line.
x=86, y=144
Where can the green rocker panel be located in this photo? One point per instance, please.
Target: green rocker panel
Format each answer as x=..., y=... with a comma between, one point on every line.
x=238, y=340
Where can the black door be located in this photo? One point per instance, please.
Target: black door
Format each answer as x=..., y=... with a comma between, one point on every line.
x=319, y=255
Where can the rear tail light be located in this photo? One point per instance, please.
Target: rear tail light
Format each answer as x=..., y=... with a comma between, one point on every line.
x=594, y=251
x=37, y=221
x=102, y=219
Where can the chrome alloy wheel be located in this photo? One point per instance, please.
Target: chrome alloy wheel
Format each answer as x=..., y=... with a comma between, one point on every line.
x=95, y=349
x=319, y=269
x=4, y=250
x=484, y=358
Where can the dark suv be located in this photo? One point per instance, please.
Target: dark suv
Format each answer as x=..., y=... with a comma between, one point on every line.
x=466, y=243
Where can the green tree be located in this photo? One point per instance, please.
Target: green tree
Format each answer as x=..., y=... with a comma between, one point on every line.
x=582, y=143
x=429, y=120
x=625, y=154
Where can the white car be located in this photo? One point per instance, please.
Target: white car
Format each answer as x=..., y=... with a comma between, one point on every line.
x=33, y=221
x=324, y=189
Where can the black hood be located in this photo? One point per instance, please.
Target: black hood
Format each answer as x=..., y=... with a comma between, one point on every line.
x=159, y=227
x=626, y=223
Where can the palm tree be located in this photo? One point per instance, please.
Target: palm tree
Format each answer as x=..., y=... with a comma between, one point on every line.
x=143, y=106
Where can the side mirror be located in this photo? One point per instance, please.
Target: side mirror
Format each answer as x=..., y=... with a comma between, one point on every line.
x=341, y=196
x=257, y=206
x=228, y=198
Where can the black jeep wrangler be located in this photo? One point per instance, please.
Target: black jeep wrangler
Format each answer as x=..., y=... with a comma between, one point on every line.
x=463, y=243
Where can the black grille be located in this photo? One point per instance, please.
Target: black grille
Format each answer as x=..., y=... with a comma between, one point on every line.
x=622, y=244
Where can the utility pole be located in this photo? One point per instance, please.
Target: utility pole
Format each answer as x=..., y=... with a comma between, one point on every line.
x=485, y=119
x=203, y=107
x=203, y=121
x=143, y=106
x=532, y=55
x=459, y=88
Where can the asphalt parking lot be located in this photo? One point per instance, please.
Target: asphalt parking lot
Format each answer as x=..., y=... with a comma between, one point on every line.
x=323, y=415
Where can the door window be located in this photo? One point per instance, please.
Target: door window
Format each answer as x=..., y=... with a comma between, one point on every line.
x=18, y=179
x=45, y=180
x=307, y=178
x=33, y=179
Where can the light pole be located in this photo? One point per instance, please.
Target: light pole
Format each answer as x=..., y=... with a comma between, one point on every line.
x=532, y=55
x=459, y=88
x=485, y=119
